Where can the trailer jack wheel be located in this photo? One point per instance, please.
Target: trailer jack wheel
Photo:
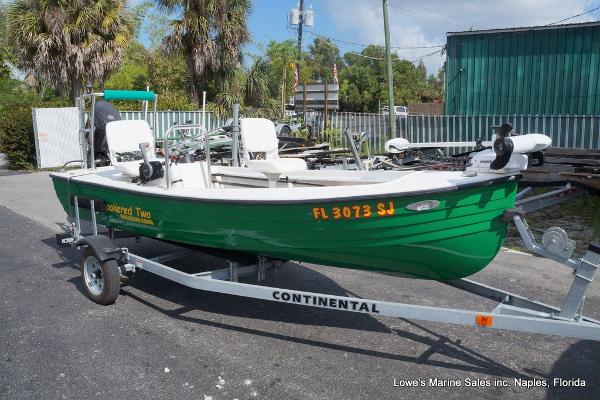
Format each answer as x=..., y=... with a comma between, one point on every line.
x=101, y=279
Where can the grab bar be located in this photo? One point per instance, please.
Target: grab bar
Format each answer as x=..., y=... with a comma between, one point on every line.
x=167, y=151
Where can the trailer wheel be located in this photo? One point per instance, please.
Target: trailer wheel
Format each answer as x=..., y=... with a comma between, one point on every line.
x=285, y=131
x=101, y=279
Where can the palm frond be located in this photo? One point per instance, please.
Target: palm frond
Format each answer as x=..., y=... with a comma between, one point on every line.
x=62, y=41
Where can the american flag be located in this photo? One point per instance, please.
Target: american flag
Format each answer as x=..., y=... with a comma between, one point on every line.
x=295, y=68
x=335, y=78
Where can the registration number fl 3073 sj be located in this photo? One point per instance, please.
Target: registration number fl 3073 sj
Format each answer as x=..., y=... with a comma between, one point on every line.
x=381, y=209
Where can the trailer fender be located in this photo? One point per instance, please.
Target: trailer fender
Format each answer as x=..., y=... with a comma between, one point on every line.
x=102, y=246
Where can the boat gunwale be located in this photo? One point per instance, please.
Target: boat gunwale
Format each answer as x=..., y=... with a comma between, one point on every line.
x=174, y=196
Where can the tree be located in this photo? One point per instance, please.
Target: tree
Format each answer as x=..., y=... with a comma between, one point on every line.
x=363, y=81
x=210, y=34
x=65, y=43
x=322, y=54
x=281, y=57
x=256, y=88
x=7, y=53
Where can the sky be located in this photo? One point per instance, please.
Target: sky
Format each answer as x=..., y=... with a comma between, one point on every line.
x=413, y=23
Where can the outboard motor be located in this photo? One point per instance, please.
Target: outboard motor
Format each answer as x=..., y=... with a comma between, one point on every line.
x=396, y=145
x=104, y=113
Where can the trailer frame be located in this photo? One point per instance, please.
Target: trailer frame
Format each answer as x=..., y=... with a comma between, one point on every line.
x=513, y=312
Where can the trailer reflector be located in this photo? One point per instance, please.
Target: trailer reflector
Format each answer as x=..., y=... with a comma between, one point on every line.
x=484, y=320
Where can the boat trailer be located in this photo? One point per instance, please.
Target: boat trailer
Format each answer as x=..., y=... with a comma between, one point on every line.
x=104, y=265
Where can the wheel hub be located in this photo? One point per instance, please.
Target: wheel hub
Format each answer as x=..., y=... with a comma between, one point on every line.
x=92, y=273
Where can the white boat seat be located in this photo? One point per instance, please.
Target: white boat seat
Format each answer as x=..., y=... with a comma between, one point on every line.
x=260, y=138
x=125, y=136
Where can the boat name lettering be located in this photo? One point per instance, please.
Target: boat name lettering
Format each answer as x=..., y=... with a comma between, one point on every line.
x=382, y=209
x=133, y=214
x=325, y=301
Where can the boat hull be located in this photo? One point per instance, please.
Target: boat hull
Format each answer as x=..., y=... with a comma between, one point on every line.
x=456, y=239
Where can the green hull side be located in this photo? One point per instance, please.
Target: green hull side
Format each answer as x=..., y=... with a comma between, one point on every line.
x=457, y=239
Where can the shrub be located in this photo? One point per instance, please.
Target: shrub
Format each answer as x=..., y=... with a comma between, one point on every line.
x=332, y=135
x=16, y=138
x=16, y=124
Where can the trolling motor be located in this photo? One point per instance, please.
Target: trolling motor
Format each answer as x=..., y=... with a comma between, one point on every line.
x=506, y=144
x=509, y=151
x=503, y=146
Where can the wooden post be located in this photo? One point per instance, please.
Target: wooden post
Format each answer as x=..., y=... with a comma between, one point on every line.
x=283, y=91
x=325, y=110
x=304, y=102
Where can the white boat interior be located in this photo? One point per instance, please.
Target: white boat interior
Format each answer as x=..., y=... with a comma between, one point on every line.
x=264, y=175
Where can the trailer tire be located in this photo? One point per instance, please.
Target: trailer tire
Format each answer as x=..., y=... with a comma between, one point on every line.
x=101, y=279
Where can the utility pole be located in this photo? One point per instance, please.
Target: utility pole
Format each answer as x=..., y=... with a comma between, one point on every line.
x=390, y=75
x=297, y=16
x=301, y=8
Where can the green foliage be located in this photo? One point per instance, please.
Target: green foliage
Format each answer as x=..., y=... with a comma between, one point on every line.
x=165, y=74
x=301, y=133
x=7, y=54
x=13, y=92
x=588, y=208
x=16, y=138
x=175, y=101
x=280, y=56
x=257, y=88
x=67, y=43
x=16, y=125
x=138, y=15
x=129, y=77
x=332, y=135
x=210, y=34
x=322, y=54
x=363, y=83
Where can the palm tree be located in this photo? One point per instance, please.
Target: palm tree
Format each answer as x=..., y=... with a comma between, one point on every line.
x=210, y=34
x=66, y=43
x=256, y=86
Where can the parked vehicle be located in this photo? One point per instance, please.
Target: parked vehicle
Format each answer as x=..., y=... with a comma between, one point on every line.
x=400, y=111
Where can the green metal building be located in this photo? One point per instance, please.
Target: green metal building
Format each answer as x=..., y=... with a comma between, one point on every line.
x=546, y=70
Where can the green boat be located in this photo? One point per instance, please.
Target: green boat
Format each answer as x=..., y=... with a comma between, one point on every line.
x=439, y=225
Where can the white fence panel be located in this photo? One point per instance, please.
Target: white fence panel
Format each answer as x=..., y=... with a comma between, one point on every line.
x=56, y=134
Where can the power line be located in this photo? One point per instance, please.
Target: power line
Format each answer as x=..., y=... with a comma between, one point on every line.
x=335, y=47
x=424, y=17
x=574, y=16
x=376, y=44
x=413, y=12
x=427, y=55
x=415, y=4
x=379, y=58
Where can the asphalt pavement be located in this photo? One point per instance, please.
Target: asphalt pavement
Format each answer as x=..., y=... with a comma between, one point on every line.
x=161, y=340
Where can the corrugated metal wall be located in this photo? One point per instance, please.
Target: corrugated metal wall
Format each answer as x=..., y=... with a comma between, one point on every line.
x=540, y=71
